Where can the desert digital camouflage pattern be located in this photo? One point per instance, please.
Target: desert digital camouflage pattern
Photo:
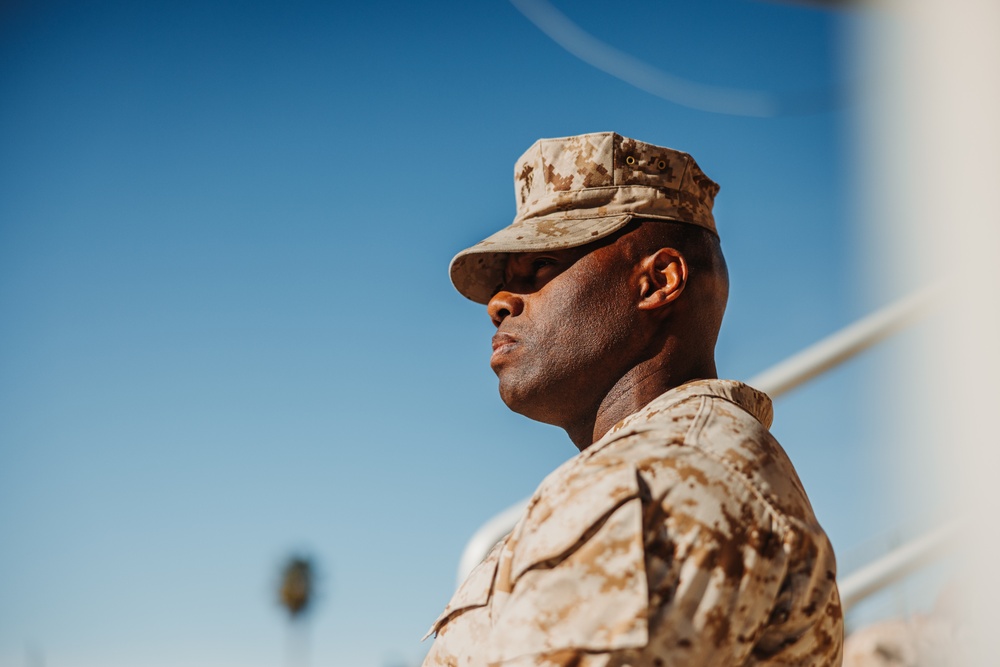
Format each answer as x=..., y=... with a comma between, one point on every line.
x=575, y=190
x=682, y=538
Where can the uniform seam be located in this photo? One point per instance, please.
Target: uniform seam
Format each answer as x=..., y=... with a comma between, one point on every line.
x=635, y=427
x=692, y=438
x=734, y=402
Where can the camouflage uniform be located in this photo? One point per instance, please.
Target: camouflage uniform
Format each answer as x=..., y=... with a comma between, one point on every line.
x=682, y=537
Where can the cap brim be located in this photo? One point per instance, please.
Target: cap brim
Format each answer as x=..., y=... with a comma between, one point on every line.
x=478, y=272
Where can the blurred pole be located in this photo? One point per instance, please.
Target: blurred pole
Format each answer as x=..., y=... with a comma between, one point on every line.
x=296, y=594
x=932, y=180
x=297, y=645
x=840, y=346
x=896, y=565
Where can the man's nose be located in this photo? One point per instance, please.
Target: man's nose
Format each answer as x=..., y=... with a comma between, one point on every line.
x=503, y=305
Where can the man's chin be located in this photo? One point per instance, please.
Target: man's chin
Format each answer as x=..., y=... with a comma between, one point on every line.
x=511, y=397
x=525, y=402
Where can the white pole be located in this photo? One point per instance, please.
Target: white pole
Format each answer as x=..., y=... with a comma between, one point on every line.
x=932, y=195
x=844, y=344
x=896, y=565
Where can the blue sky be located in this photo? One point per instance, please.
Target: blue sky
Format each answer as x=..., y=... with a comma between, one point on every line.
x=227, y=332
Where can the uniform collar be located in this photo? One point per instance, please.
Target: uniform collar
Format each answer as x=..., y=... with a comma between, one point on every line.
x=755, y=402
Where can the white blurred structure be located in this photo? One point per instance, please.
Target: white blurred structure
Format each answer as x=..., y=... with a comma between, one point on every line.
x=932, y=173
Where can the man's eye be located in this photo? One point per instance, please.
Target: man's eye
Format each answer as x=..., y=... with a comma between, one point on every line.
x=541, y=263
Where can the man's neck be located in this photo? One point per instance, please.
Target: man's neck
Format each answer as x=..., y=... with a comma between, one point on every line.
x=630, y=394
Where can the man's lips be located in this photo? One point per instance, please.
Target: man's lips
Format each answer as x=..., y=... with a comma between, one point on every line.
x=502, y=343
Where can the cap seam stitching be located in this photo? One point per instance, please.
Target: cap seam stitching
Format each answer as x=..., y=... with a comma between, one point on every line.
x=614, y=159
x=687, y=165
x=617, y=187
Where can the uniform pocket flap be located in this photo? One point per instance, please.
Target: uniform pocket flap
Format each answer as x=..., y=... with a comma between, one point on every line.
x=567, y=509
x=595, y=599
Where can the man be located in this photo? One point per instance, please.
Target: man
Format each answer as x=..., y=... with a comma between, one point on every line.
x=680, y=535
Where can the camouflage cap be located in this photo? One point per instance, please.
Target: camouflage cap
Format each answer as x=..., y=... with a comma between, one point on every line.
x=575, y=190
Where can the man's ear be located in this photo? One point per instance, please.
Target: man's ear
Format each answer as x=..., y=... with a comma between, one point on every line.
x=662, y=278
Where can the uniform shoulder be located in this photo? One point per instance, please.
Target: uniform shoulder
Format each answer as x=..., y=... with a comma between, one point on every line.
x=711, y=439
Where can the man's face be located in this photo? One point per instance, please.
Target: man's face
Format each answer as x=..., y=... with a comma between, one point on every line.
x=565, y=326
